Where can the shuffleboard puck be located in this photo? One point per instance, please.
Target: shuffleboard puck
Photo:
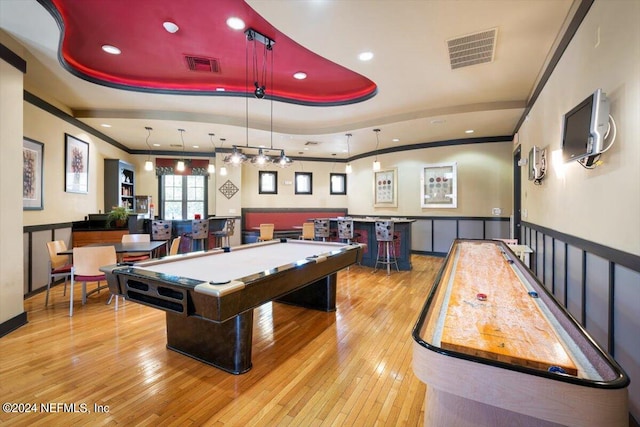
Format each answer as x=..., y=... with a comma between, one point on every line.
x=556, y=370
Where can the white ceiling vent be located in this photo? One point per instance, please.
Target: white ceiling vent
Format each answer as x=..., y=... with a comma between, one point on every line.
x=472, y=49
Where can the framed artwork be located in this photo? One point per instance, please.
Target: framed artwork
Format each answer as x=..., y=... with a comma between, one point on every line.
x=267, y=182
x=76, y=165
x=385, y=188
x=32, y=174
x=304, y=183
x=338, y=183
x=439, y=186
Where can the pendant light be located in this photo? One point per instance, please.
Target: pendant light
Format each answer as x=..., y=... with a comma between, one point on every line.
x=148, y=165
x=212, y=167
x=376, y=163
x=223, y=169
x=180, y=165
x=348, y=168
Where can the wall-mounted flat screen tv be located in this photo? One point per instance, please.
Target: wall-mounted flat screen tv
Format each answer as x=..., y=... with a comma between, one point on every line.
x=584, y=127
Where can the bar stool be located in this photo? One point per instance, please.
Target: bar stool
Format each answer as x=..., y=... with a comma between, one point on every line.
x=321, y=229
x=230, y=226
x=199, y=232
x=386, y=245
x=345, y=230
x=161, y=230
x=222, y=236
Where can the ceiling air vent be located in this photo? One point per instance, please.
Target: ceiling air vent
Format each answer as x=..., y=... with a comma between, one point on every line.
x=201, y=63
x=472, y=49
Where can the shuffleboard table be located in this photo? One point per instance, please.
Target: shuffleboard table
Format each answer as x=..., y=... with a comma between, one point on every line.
x=209, y=296
x=496, y=348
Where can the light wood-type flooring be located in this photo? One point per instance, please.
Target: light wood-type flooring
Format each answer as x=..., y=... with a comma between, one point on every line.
x=351, y=367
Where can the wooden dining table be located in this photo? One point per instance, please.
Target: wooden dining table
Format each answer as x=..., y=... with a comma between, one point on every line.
x=129, y=247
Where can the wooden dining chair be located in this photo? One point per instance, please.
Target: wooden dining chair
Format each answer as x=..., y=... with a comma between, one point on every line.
x=59, y=266
x=87, y=261
x=266, y=232
x=134, y=238
x=175, y=246
x=308, y=231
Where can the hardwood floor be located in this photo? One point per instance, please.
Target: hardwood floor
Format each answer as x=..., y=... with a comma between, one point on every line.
x=310, y=368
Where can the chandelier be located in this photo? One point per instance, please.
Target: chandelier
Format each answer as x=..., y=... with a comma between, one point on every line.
x=237, y=157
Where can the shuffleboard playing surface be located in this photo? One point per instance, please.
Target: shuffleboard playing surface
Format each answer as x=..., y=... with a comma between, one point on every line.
x=508, y=325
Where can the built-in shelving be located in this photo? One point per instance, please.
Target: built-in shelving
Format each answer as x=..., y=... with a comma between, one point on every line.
x=119, y=184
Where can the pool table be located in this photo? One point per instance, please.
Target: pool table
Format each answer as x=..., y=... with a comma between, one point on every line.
x=209, y=296
x=493, y=343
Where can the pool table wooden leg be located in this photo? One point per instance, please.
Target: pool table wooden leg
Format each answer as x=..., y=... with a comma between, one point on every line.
x=319, y=295
x=225, y=345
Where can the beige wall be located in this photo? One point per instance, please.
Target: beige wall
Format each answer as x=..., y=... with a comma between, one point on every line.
x=600, y=205
x=11, y=255
x=286, y=197
x=484, y=180
x=60, y=206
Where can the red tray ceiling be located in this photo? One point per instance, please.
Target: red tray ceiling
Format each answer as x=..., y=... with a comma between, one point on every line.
x=153, y=59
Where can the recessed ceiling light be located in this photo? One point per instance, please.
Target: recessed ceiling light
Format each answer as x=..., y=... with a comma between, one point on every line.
x=468, y=131
x=220, y=89
x=235, y=23
x=196, y=146
x=170, y=27
x=156, y=144
x=104, y=125
x=300, y=75
x=111, y=49
x=365, y=56
x=396, y=140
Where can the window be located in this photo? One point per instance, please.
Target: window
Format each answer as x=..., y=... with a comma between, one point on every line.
x=338, y=183
x=304, y=183
x=183, y=196
x=268, y=182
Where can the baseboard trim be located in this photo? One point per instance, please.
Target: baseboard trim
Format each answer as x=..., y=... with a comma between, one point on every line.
x=13, y=324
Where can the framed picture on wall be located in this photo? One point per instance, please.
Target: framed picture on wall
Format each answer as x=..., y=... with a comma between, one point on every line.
x=32, y=170
x=76, y=165
x=385, y=188
x=267, y=182
x=439, y=186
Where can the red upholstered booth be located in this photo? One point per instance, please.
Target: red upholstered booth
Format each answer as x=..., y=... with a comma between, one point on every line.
x=284, y=219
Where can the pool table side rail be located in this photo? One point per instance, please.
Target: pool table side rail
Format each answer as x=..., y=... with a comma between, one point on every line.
x=189, y=297
x=613, y=374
